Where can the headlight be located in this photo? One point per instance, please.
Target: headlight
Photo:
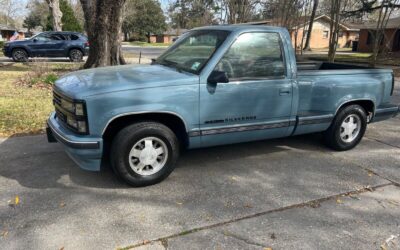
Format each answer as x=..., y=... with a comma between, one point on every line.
x=75, y=108
x=78, y=125
x=69, y=106
x=79, y=109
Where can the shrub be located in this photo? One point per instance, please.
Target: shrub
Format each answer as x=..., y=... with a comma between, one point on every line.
x=1, y=44
x=50, y=78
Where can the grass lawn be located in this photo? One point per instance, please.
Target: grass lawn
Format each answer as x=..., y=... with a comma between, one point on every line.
x=145, y=44
x=24, y=109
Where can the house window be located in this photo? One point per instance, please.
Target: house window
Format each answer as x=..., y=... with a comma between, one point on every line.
x=325, y=34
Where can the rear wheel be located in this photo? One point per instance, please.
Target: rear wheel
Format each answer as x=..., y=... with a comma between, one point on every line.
x=19, y=55
x=75, y=55
x=144, y=153
x=347, y=129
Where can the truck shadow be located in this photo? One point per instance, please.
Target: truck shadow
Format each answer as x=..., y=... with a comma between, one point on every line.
x=34, y=163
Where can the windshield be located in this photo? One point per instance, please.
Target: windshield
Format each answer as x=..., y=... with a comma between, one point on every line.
x=193, y=50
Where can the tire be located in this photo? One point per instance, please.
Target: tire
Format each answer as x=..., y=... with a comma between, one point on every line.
x=132, y=151
x=347, y=129
x=19, y=55
x=75, y=55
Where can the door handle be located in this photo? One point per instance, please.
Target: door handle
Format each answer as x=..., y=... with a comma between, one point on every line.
x=284, y=91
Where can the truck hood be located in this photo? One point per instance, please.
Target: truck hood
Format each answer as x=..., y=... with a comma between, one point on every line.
x=90, y=82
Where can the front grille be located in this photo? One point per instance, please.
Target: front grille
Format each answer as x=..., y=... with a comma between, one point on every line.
x=56, y=98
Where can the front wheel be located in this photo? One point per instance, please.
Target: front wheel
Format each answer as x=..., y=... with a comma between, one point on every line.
x=347, y=129
x=19, y=55
x=144, y=153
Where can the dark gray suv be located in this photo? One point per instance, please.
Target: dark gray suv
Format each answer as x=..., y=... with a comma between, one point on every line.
x=73, y=45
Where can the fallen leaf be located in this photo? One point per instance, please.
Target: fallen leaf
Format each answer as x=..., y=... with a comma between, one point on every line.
x=4, y=234
x=234, y=178
x=339, y=201
x=370, y=173
x=267, y=248
x=13, y=203
x=369, y=188
x=273, y=236
x=354, y=197
x=146, y=242
x=179, y=203
x=248, y=206
x=62, y=248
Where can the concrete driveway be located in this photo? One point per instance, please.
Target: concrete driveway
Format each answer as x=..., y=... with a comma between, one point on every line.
x=291, y=193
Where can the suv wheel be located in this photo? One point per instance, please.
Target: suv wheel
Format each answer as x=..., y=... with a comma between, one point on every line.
x=347, y=129
x=144, y=153
x=19, y=55
x=75, y=55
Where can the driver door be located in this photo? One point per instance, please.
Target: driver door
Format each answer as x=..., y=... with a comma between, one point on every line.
x=256, y=102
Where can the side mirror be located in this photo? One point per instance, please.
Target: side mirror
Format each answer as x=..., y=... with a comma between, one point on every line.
x=35, y=40
x=218, y=77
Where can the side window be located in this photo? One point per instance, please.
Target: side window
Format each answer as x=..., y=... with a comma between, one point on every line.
x=74, y=37
x=43, y=38
x=57, y=37
x=254, y=56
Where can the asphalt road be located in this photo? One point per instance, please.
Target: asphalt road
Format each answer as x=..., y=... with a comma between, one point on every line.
x=290, y=193
x=151, y=52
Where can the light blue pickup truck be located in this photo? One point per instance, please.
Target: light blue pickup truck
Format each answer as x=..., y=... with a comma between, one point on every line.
x=216, y=85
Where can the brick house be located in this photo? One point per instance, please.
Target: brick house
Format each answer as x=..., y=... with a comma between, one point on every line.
x=7, y=32
x=390, y=42
x=167, y=37
x=320, y=32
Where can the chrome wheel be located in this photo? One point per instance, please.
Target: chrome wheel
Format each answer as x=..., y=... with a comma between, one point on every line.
x=148, y=156
x=350, y=128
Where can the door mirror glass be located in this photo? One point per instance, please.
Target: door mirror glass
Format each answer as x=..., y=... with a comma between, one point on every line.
x=217, y=77
x=34, y=40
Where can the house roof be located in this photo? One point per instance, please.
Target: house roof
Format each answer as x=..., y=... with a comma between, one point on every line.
x=7, y=27
x=345, y=26
x=393, y=23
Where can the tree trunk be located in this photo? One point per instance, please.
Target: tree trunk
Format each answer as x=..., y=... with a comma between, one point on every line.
x=103, y=21
x=310, y=26
x=334, y=29
x=54, y=6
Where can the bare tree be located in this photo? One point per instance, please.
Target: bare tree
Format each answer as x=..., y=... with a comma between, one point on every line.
x=9, y=9
x=240, y=11
x=103, y=21
x=56, y=14
x=310, y=25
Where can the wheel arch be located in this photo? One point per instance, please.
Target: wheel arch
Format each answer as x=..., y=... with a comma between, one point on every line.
x=75, y=47
x=368, y=105
x=172, y=120
x=23, y=48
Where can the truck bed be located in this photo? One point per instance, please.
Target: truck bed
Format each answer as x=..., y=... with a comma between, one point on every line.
x=311, y=68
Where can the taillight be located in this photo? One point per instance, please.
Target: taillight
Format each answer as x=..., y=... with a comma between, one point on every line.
x=391, y=92
x=87, y=44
